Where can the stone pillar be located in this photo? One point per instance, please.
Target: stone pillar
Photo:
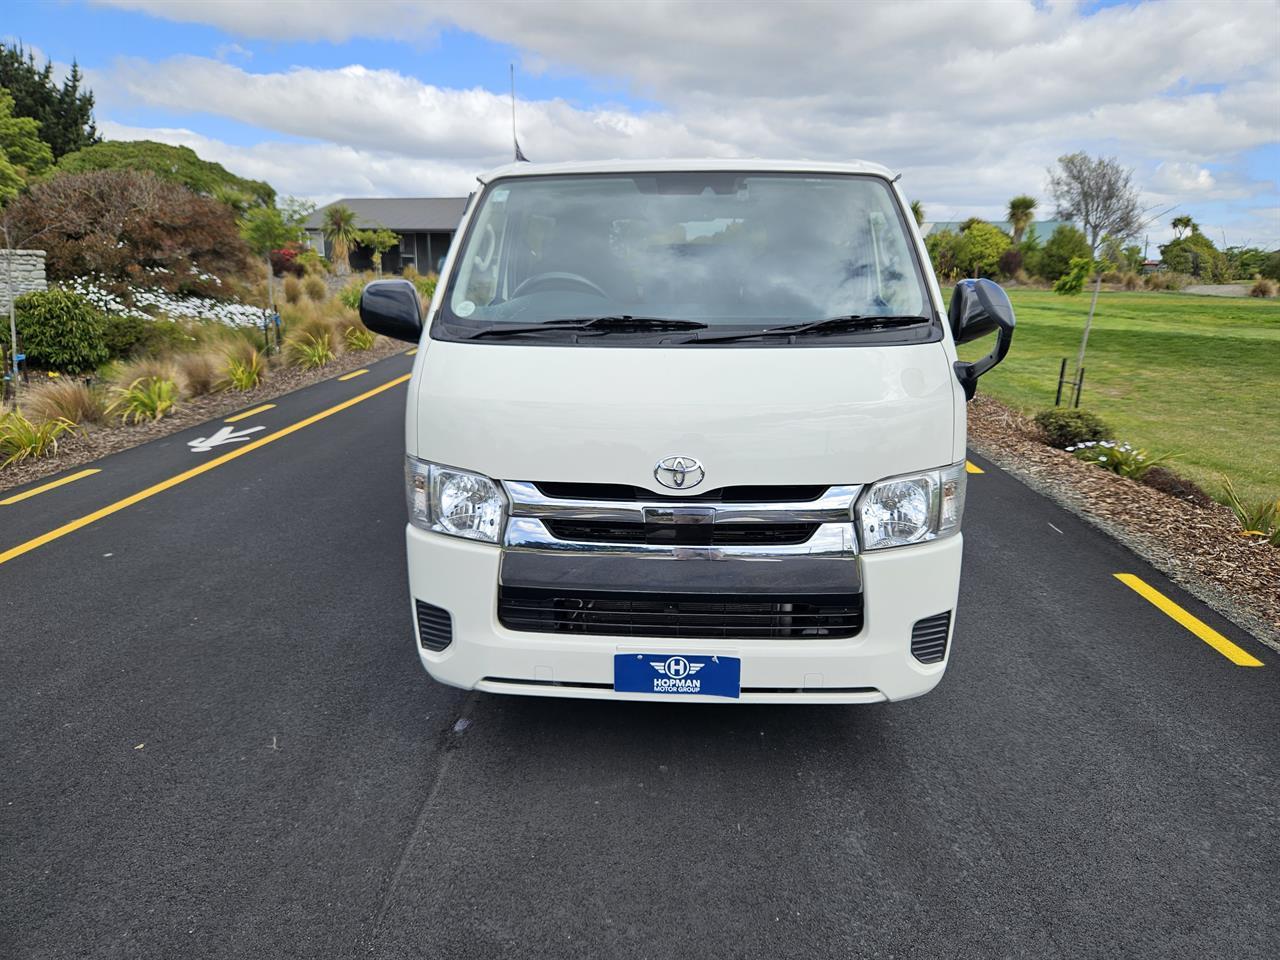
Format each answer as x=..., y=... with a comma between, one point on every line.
x=27, y=267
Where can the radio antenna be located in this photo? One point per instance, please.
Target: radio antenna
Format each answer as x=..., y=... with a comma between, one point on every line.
x=520, y=157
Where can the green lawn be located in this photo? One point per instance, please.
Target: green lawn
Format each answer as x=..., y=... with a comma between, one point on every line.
x=1196, y=376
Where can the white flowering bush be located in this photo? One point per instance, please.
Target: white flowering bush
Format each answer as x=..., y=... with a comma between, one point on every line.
x=148, y=303
x=1122, y=458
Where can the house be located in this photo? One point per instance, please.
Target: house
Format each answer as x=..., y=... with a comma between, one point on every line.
x=1043, y=228
x=425, y=224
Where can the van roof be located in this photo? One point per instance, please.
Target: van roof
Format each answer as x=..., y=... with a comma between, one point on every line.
x=666, y=166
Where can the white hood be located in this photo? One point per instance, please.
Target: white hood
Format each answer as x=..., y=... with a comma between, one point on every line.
x=751, y=415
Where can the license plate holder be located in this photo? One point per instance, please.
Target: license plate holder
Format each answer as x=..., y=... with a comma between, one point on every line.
x=678, y=674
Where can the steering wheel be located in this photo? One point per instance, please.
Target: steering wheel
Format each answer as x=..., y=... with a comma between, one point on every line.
x=529, y=284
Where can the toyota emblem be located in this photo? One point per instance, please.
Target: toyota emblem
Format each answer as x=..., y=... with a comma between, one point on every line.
x=679, y=473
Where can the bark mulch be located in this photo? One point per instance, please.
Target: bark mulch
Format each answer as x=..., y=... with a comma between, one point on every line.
x=1196, y=544
x=97, y=441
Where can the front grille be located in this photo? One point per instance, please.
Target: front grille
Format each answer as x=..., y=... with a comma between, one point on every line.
x=929, y=638
x=793, y=493
x=609, y=613
x=435, y=626
x=688, y=535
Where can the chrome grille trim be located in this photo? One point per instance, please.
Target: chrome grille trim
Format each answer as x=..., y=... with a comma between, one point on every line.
x=832, y=507
x=832, y=540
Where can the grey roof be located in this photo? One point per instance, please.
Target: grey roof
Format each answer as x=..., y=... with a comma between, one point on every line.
x=1044, y=228
x=406, y=214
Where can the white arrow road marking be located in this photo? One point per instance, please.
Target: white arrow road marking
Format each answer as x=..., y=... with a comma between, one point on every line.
x=224, y=435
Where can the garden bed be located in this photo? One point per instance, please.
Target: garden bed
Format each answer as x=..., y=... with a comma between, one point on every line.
x=93, y=443
x=1196, y=544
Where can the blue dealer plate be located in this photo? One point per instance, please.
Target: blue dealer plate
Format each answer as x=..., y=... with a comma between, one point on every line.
x=709, y=676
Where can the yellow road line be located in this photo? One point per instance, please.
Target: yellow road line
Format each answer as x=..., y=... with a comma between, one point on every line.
x=353, y=374
x=410, y=353
x=18, y=497
x=1238, y=656
x=249, y=413
x=971, y=467
x=186, y=475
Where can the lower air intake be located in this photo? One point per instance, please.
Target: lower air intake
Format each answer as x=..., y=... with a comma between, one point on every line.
x=929, y=638
x=435, y=627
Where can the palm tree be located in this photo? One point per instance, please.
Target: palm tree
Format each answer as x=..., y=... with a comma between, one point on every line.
x=917, y=211
x=1021, y=210
x=1182, y=224
x=340, y=230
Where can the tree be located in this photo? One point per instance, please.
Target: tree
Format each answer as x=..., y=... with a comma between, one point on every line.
x=979, y=248
x=266, y=229
x=340, y=230
x=179, y=164
x=21, y=149
x=132, y=229
x=941, y=246
x=379, y=240
x=1182, y=224
x=917, y=211
x=1196, y=255
x=1021, y=209
x=1064, y=245
x=65, y=113
x=1099, y=194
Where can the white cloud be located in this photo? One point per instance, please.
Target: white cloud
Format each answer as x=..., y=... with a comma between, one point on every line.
x=971, y=101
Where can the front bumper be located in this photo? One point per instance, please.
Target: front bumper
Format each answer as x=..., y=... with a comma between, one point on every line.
x=900, y=587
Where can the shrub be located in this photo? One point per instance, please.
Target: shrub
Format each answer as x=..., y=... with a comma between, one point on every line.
x=1263, y=287
x=60, y=330
x=1260, y=520
x=1131, y=280
x=71, y=400
x=979, y=248
x=426, y=286
x=1121, y=458
x=147, y=398
x=284, y=262
x=110, y=223
x=1064, y=245
x=1165, y=280
x=125, y=333
x=21, y=439
x=1011, y=262
x=310, y=351
x=292, y=289
x=200, y=372
x=350, y=295
x=244, y=370
x=316, y=289
x=1063, y=427
x=359, y=338
x=143, y=368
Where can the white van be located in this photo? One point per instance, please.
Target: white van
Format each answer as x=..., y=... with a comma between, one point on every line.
x=688, y=430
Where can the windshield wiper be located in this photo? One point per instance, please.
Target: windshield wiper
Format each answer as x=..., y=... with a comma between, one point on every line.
x=853, y=321
x=610, y=324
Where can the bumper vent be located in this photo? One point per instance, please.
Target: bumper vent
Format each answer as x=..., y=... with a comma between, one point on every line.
x=929, y=638
x=609, y=613
x=435, y=626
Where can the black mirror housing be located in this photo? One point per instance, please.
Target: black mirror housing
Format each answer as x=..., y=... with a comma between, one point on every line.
x=977, y=308
x=392, y=308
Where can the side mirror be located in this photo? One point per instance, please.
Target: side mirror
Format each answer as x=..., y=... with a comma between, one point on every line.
x=392, y=308
x=977, y=308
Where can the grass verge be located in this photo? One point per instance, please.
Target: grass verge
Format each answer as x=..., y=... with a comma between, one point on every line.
x=1194, y=376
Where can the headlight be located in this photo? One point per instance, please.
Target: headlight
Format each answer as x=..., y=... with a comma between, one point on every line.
x=911, y=509
x=454, y=502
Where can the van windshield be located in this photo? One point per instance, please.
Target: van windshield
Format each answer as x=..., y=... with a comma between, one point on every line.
x=640, y=255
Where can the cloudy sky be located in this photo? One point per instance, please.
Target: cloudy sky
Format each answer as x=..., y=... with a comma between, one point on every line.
x=971, y=101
